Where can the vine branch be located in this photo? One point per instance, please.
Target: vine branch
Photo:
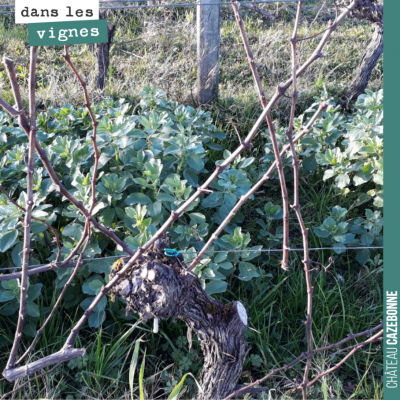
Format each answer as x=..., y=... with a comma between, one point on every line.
x=304, y=355
x=271, y=128
x=87, y=233
x=279, y=92
x=28, y=214
x=94, y=123
x=253, y=190
x=58, y=301
x=357, y=347
x=296, y=204
x=38, y=270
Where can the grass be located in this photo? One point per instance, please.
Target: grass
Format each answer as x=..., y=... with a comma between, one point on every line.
x=347, y=299
x=158, y=47
x=162, y=51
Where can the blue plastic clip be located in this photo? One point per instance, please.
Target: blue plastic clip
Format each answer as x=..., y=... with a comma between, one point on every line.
x=171, y=252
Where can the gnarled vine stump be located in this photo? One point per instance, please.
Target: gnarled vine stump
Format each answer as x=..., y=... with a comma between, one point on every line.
x=372, y=11
x=160, y=287
x=102, y=51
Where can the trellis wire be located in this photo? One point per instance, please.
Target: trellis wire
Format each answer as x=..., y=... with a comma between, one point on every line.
x=217, y=251
x=222, y=3
x=144, y=1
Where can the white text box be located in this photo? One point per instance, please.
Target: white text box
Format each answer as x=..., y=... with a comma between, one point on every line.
x=32, y=11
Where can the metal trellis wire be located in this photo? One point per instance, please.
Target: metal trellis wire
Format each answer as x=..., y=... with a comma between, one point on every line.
x=168, y=5
x=85, y=260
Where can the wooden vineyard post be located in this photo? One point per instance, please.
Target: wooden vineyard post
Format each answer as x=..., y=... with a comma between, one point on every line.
x=208, y=49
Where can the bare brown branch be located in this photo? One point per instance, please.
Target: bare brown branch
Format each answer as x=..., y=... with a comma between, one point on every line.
x=279, y=92
x=317, y=53
x=305, y=355
x=28, y=214
x=94, y=123
x=253, y=190
x=38, y=270
x=86, y=236
x=261, y=95
x=296, y=204
x=23, y=120
x=11, y=110
x=263, y=13
x=374, y=338
x=61, y=356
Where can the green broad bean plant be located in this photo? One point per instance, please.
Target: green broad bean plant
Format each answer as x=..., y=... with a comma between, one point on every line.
x=340, y=233
x=350, y=148
x=153, y=155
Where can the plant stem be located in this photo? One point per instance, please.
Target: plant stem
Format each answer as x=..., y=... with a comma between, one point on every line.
x=252, y=191
x=94, y=123
x=296, y=204
x=278, y=158
x=374, y=338
x=28, y=214
x=305, y=355
x=86, y=235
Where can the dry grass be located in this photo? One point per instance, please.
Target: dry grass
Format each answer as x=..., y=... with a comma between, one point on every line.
x=158, y=47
